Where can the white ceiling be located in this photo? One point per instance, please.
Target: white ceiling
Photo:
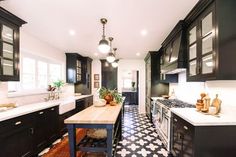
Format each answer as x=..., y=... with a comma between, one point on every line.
x=51, y=20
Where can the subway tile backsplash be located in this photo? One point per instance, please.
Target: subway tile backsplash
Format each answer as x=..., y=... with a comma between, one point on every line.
x=190, y=91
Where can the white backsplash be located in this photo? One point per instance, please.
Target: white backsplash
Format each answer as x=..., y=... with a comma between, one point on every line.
x=67, y=90
x=190, y=91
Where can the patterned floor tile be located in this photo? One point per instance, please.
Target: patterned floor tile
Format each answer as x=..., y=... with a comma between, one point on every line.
x=139, y=138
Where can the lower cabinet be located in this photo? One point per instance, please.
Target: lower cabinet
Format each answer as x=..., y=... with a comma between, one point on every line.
x=16, y=137
x=62, y=126
x=182, y=138
x=27, y=135
x=202, y=141
x=131, y=98
x=46, y=127
x=81, y=104
x=88, y=101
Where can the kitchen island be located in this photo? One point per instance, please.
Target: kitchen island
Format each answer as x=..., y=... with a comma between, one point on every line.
x=107, y=117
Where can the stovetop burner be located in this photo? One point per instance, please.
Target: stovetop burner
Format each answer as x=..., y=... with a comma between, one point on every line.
x=175, y=103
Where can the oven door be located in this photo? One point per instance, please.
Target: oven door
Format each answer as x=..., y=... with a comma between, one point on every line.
x=165, y=123
x=157, y=115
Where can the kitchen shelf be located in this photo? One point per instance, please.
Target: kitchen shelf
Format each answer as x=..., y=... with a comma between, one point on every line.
x=88, y=144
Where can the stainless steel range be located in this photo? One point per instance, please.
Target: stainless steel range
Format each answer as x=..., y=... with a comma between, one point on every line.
x=161, y=117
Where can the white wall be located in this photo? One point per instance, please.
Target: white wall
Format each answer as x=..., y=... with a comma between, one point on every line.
x=96, y=69
x=137, y=65
x=124, y=65
x=32, y=45
x=190, y=91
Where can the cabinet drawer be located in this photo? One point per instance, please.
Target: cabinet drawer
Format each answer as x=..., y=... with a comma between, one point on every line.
x=16, y=123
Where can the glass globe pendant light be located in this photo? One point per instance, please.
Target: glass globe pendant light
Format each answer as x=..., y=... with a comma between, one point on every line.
x=111, y=56
x=103, y=45
x=115, y=64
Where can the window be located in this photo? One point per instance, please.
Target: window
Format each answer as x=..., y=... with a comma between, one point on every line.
x=42, y=74
x=36, y=73
x=127, y=83
x=28, y=73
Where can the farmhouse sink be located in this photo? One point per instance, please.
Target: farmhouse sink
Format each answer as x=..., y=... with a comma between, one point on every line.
x=66, y=105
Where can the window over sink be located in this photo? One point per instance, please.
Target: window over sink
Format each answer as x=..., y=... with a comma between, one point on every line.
x=36, y=74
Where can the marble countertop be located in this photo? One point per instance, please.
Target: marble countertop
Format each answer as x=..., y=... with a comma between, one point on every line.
x=199, y=119
x=26, y=109
x=96, y=115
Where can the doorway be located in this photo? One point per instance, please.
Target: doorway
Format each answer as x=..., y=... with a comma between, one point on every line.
x=130, y=88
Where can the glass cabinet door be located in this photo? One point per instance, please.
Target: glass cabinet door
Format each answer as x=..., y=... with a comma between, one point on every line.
x=207, y=44
x=8, y=67
x=7, y=34
x=192, y=46
x=7, y=51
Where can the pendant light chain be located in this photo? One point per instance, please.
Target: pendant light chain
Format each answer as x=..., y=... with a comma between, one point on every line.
x=103, y=30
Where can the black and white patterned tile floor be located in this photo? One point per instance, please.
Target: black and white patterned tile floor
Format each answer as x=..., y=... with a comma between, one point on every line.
x=139, y=138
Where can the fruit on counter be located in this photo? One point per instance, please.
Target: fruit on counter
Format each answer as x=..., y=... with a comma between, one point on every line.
x=108, y=98
x=113, y=103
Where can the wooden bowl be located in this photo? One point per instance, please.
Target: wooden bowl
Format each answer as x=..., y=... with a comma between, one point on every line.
x=165, y=96
x=204, y=110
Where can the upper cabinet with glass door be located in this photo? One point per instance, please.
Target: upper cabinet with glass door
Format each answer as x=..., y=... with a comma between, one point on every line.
x=9, y=46
x=211, y=41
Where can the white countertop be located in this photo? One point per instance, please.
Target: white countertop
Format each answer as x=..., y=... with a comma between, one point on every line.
x=26, y=109
x=200, y=119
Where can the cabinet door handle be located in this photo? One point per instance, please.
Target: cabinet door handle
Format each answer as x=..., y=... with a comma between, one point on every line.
x=41, y=112
x=175, y=120
x=32, y=130
x=18, y=123
x=185, y=127
x=52, y=109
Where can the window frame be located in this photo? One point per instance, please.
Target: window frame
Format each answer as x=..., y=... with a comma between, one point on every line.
x=19, y=90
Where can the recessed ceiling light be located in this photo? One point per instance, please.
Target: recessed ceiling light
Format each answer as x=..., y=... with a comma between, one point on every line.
x=72, y=32
x=95, y=54
x=138, y=54
x=144, y=32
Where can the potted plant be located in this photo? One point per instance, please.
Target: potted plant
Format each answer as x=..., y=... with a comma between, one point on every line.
x=111, y=96
x=58, y=84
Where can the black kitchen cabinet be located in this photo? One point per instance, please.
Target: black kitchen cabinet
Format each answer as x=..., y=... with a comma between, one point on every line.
x=182, y=138
x=154, y=87
x=211, y=41
x=83, y=85
x=16, y=136
x=46, y=127
x=88, y=101
x=131, y=98
x=74, y=68
x=62, y=126
x=201, y=141
x=81, y=104
x=109, y=75
x=87, y=62
x=9, y=46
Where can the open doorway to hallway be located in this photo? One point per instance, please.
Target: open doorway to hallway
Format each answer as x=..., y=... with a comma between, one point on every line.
x=130, y=87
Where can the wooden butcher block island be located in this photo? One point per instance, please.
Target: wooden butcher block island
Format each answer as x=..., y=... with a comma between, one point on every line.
x=107, y=117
